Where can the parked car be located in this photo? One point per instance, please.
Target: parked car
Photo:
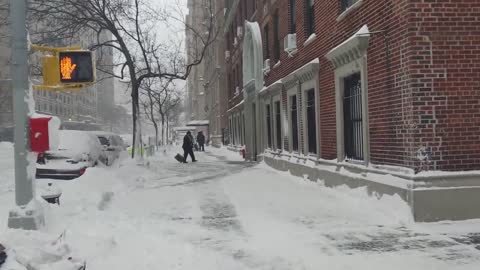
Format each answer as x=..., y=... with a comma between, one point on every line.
x=112, y=146
x=77, y=151
x=6, y=134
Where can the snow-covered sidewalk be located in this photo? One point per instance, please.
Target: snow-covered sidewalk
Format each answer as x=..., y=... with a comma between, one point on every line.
x=224, y=213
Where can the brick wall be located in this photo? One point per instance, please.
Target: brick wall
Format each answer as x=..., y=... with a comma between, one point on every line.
x=423, y=76
x=445, y=83
x=388, y=116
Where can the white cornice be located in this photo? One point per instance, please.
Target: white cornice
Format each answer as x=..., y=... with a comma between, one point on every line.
x=351, y=49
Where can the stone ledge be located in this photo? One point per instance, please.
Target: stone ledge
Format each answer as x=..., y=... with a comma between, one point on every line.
x=427, y=204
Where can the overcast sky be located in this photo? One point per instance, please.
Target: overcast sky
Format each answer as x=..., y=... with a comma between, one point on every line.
x=175, y=31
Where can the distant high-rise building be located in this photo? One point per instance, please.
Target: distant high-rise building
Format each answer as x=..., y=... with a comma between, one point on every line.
x=206, y=85
x=93, y=104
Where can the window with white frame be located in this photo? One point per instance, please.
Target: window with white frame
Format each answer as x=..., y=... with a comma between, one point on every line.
x=351, y=96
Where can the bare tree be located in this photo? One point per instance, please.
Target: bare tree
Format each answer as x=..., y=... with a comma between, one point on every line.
x=155, y=96
x=166, y=101
x=130, y=23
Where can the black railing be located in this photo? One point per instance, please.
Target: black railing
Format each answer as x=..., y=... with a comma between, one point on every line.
x=352, y=112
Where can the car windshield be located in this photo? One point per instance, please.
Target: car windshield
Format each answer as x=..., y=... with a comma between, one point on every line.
x=103, y=140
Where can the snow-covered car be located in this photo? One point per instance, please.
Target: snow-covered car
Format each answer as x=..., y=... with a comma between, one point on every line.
x=77, y=151
x=112, y=146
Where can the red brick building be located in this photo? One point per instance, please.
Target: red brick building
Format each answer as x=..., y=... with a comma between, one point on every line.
x=353, y=91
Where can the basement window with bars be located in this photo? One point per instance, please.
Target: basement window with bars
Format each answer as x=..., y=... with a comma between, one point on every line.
x=269, y=126
x=352, y=113
x=278, y=125
x=311, y=121
x=345, y=4
x=294, y=122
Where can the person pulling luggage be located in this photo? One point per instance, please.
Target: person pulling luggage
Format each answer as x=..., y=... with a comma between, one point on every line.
x=188, y=147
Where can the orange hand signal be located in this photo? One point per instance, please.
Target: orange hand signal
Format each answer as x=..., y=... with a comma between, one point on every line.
x=66, y=68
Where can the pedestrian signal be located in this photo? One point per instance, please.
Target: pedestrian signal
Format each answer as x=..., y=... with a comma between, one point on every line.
x=76, y=67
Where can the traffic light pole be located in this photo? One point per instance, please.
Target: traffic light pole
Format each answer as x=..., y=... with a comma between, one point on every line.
x=26, y=215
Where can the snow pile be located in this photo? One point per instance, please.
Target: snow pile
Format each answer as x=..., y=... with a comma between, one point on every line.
x=224, y=213
x=38, y=251
x=7, y=181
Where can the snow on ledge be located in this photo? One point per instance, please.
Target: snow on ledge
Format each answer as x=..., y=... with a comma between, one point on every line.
x=198, y=123
x=395, y=176
x=351, y=49
x=349, y=10
x=310, y=39
x=272, y=87
x=277, y=64
x=236, y=106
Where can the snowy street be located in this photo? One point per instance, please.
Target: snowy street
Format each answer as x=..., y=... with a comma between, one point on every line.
x=223, y=213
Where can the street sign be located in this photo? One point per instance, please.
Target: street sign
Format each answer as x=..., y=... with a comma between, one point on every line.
x=76, y=67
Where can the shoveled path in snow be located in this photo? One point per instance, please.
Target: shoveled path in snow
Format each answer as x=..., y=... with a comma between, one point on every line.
x=223, y=213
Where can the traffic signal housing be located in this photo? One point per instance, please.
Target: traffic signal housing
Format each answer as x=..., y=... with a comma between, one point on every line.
x=68, y=68
x=76, y=67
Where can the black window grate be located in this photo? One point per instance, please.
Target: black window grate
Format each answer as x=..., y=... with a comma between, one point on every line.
x=278, y=125
x=294, y=122
x=311, y=122
x=269, y=127
x=352, y=112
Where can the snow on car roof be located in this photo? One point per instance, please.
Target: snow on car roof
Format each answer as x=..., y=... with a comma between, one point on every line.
x=78, y=141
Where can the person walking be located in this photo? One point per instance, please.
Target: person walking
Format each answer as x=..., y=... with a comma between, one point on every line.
x=188, y=147
x=201, y=140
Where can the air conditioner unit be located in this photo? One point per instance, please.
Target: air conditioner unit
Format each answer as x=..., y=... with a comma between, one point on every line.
x=235, y=42
x=240, y=31
x=266, y=66
x=227, y=55
x=290, y=43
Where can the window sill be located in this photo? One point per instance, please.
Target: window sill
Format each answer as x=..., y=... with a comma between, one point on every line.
x=349, y=10
x=276, y=64
x=252, y=19
x=310, y=39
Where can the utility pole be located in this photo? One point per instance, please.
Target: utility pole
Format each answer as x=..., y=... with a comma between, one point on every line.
x=27, y=215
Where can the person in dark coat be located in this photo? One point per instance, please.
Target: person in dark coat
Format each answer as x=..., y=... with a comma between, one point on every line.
x=3, y=255
x=188, y=147
x=201, y=140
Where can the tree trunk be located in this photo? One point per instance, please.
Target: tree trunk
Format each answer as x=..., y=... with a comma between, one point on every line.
x=168, y=133
x=134, y=118
x=163, y=131
x=156, y=134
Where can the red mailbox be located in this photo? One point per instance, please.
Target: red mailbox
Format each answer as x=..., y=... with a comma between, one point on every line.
x=39, y=135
